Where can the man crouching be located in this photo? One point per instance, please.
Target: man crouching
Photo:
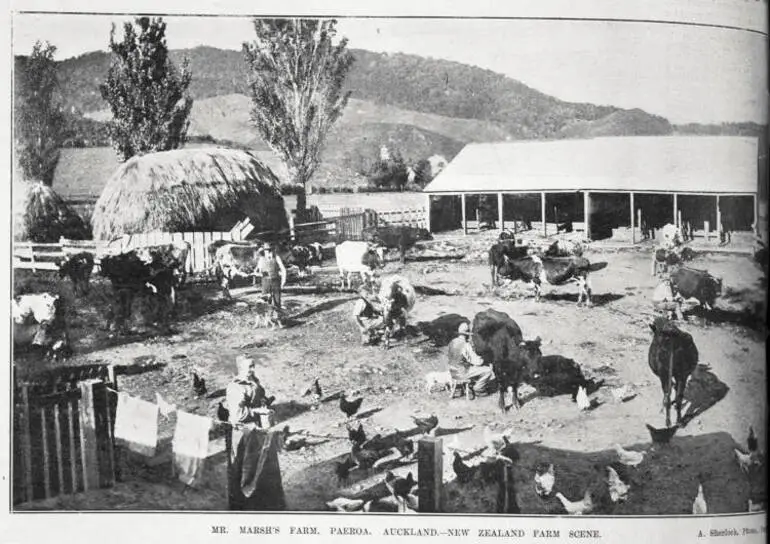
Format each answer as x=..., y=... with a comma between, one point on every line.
x=368, y=314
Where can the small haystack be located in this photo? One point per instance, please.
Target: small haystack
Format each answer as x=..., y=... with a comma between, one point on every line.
x=40, y=215
x=200, y=189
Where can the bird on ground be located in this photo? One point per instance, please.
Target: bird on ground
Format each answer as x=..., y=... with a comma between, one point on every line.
x=343, y=470
x=399, y=487
x=267, y=402
x=578, y=508
x=628, y=457
x=582, y=399
x=661, y=436
x=745, y=460
x=341, y=504
x=357, y=436
x=545, y=477
x=404, y=445
x=426, y=425
x=623, y=393
x=699, y=506
x=314, y=389
x=463, y=472
x=199, y=384
x=752, y=442
x=364, y=458
x=223, y=414
x=350, y=407
x=618, y=488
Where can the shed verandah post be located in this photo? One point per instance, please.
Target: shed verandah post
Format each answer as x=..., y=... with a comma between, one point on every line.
x=462, y=212
x=542, y=213
x=633, y=226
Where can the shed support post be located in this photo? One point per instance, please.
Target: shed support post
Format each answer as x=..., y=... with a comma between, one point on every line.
x=500, y=211
x=718, y=226
x=633, y=226
x=756, y=215
x=430, y=474
x=676, y=208
x=427, y=211
x=462, y=212
x=542, y=213
x=587, y=213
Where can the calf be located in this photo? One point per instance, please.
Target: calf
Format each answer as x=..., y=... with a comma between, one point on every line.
x=357, y=257
x=130, y=276
x=163, y=257
x=556, y=375
x=672, y=357
x=663, y=258
x=553, y=270
x=396, y=237
x=498, y=340
x=235, y=260
x=698, y=284
x=398, y=297
x=564, y=248
x=500, y=253
x=78, y=268
x=38, y=322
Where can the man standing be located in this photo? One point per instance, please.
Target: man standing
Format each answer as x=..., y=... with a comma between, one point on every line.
x=245, y=394
x=466, y=364
x=273, y=273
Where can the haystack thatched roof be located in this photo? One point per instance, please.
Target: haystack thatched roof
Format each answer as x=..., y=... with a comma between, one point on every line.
x=199, y=189
x=40, y=215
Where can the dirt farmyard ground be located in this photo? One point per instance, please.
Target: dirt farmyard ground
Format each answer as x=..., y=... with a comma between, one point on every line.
x=610, y=341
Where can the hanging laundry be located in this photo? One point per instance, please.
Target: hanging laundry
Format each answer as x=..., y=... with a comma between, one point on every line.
x=136, y=424
x=191, y=445
x=255, y=475
x=166, y=408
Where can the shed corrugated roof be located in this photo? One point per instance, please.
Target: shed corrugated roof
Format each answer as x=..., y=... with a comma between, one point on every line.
x=686, y=164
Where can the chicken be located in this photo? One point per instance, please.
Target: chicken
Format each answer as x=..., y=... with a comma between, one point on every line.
x=350, y=408
x=223, y=414
x=364, y=458
x=699, y=506
x=623, y=393
x=412, y=503
x=357, y=436
x=399, y=487
x=745, y=460
x=661, y=436
x=544, y=479
x=199, y=384
x=341, y=504
x=628, y=457
x=752, y=441
x=404, y=446
x=463, y=472
x=618, y=488
x=577, y=508
x=343, y=470
x=426, y=425
x=582, y=399
x=267, y=402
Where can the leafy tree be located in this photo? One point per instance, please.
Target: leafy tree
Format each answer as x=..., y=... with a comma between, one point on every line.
x=39, y=120
x=147, y=94
x=296, y=71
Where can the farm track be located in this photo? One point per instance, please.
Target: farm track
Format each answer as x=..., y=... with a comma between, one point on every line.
x=610, y=341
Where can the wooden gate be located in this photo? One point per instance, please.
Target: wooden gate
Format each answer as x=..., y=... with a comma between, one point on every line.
x=63, y=424
x=351, y=227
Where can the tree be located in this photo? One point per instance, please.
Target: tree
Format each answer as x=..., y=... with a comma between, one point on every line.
x=147, y=94
x=39, y=120
x=297, y=69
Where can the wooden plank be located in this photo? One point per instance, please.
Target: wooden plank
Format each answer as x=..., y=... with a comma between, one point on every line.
x=104, y=442
x=58, y=445
x=430, y=470
x=196, y=244
x=26, y=442
x=88, y=444
x=46, y=464
x=73, y=456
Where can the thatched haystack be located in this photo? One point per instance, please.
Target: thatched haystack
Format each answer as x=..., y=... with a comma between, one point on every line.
x=40, y=215
x=200, y=189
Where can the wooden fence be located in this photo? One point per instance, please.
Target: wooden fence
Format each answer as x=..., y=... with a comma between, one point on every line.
x=413, y=217
x=63, y=426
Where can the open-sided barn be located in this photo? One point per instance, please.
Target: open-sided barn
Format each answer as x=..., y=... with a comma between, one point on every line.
x=199, y=189
x=705, y=181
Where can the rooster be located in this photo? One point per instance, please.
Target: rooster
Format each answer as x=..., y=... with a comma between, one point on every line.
x=342, y=470
x=199, y=384
x=399, y=487
x=357, y=436
x=661, y=436
x=350, y=407
x=426, y=425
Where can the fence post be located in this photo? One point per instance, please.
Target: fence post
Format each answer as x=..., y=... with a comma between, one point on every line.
x=26, y=442
x=95, y=436
x=292, y=233
x=430, y=473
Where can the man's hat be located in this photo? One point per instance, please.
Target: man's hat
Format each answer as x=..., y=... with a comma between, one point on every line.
x=464, y=329
x=267, y=245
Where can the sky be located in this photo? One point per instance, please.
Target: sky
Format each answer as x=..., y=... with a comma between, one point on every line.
x=685, y=73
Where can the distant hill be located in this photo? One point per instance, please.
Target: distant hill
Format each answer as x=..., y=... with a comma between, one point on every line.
x=619, y=123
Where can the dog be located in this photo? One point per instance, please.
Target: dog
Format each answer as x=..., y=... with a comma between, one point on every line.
x=438, y=379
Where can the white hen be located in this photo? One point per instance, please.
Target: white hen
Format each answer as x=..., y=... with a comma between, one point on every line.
x=699, y=506
x=582, y=399
x=618, y=488
x=544, y=480
x=628, y=457
x=577, y=508
x=341, y=504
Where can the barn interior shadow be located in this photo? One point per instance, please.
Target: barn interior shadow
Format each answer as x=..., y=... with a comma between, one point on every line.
x=703, y=391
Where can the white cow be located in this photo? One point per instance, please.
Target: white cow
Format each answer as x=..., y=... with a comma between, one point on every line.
x=359, y=257
x=37, y=322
